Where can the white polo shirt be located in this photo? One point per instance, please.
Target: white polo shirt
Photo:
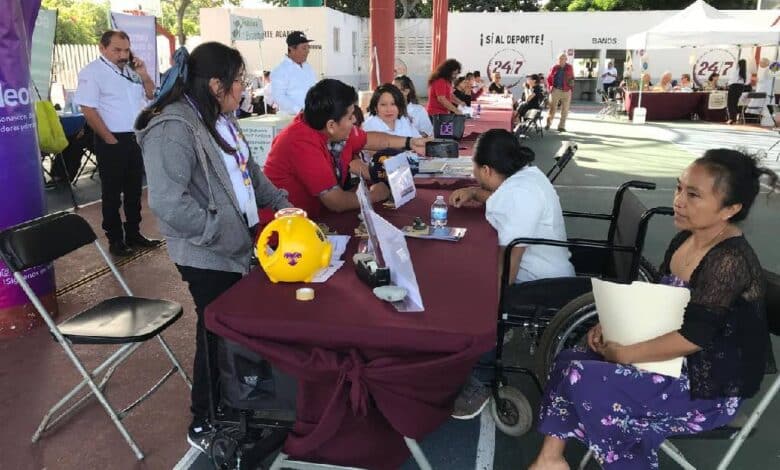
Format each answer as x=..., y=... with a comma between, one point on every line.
x=527, y=206
x=420, y=119
x=117, y=95
x=403, y=127
x=290, y=84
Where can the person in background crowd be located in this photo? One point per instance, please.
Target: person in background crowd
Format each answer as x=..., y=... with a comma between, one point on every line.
x=609, y=78
x=712, y=82
x=764, y=82
x=293, y=76
x=736, y=83
x=686, y=85
x=533, y=99
x=112, y=90
x=440, y=93
x=560, y=81
x=647, y=84
x=495, y=86
x=205, y=188
x=666, y=82
x=479, y=83
x=624, y=413
x=417, y=113
x=312, y=157
x=387, y=113
x=473, y=91
x=462, y=90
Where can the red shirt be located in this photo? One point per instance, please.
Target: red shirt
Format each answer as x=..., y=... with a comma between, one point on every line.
x=301, y=163
x=439, y=87
x=568, y=74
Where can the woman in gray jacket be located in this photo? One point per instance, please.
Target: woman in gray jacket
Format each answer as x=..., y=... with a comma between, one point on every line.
x=205, y=189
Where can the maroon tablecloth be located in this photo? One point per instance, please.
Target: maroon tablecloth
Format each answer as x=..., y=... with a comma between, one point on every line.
x=672, y=106
x=489, y=119
x=367, y=374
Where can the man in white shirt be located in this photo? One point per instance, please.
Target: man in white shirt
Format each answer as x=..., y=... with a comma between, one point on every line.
x=112, y=90
x=293, y=76
x=609, y=78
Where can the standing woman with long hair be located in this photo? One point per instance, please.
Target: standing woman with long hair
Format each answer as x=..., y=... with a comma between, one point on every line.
x=440, y=94
x=737, y=81
x=205, y=189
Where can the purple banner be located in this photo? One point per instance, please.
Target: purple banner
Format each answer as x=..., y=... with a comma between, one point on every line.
x=21, y=182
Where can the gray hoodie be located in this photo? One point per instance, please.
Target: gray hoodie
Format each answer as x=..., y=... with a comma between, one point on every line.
x=191, y=194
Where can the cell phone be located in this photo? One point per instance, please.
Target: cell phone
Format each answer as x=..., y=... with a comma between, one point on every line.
x=131, y=61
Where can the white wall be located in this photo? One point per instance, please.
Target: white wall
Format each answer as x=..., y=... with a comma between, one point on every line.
x=344, y=64
x=530, y=42
x=277, y=23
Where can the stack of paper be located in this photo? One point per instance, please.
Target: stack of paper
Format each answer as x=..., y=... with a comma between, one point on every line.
x=339, y=243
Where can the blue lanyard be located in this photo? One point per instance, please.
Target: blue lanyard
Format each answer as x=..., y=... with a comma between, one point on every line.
x=129, y=79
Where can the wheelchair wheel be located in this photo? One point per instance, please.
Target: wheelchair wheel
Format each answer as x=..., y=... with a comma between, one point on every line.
x=225, y=452
x=647, y=272
x=512, y=413
x=568, y=328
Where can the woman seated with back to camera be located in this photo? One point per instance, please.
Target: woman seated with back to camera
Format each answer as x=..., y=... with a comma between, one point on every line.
x=625, y=413
x=387, y=113
x=462, y=88
x=519, y=202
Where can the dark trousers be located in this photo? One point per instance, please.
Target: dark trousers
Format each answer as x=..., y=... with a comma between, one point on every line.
x=121, y=169
x=608, y=87
x=732, y=99
x=205, y=285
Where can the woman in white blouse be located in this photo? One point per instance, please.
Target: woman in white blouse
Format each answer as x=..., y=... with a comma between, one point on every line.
x=387, y=113
x=416, y=112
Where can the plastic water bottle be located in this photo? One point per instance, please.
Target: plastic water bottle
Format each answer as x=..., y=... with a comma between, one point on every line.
x=479, y=110
x=439, y=213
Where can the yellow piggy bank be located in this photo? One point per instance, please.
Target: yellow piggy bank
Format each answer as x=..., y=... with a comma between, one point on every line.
x=301, y=247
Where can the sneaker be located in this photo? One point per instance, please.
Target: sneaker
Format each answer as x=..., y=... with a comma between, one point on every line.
x=561, y=129
x=200, y=434
x=473, y=398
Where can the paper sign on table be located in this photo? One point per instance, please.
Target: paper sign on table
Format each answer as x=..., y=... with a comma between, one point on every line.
x=641, y=311
x=400, y=179
x=396, y=255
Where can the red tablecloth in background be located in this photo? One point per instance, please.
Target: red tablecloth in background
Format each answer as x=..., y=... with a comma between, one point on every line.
x=672, y=106
x=369, y=375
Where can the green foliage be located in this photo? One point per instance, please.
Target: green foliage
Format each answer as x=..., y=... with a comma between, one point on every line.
x=78, y=22
x=612, y=5
x=181, y=17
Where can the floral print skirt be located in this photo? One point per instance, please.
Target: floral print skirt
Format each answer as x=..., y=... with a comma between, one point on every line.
x=623, y=413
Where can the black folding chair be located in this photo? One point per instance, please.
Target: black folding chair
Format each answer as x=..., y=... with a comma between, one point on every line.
x=562, y=158
x=530, y=122
x=125, y=320
x=754, y=107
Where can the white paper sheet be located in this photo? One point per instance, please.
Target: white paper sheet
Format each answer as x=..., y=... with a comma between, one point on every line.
x=339, y=244
x=638, y=312
x=396, y=255
x=400, y=179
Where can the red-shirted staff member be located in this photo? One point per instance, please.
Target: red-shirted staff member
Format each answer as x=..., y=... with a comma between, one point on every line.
x=441, y=99
x=312, y=157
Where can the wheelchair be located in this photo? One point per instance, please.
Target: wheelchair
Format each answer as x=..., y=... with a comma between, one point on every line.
x=554, y=314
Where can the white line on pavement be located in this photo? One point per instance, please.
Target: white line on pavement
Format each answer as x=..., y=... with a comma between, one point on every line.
x=486, y=446
x=189, y=458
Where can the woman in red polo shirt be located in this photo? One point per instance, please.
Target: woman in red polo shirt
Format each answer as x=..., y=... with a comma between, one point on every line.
x=440, y=96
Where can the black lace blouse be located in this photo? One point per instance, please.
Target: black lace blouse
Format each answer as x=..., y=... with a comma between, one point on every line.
x=726, y=317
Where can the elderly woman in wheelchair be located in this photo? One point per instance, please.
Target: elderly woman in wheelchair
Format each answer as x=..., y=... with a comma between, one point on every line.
x=623, y=413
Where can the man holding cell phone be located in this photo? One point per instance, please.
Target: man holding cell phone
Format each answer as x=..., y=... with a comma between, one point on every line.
x=112, y=90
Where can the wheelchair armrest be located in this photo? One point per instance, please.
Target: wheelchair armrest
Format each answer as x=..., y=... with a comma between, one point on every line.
x=587, y=215
x=589, y=244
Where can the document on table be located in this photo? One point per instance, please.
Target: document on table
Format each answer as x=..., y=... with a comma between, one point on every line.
x=641, y=311
x=339, y=243
x=400, y=179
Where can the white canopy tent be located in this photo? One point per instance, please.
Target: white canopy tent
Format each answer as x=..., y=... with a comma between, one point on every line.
x=701, y=25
